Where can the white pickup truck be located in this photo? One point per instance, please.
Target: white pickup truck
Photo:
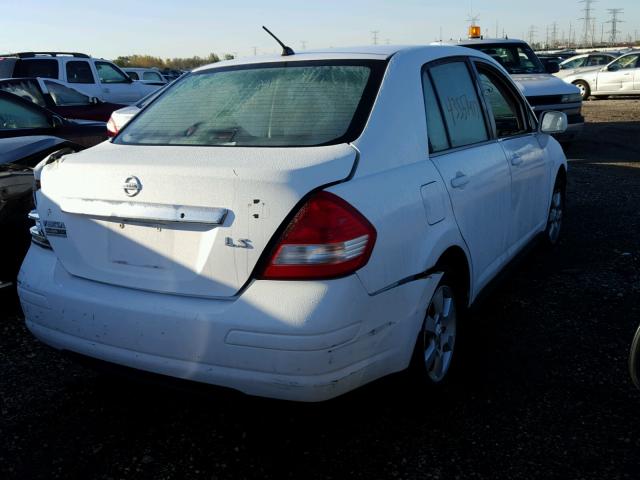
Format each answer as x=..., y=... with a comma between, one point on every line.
x=94, y=77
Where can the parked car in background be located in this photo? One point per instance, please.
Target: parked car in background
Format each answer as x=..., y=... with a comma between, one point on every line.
x=296, y=226
x=20, y=117
x=620, y=77
x=94, y=77
x=18, y=157
x=588, y=60
x=544, y=92
x=57, y=97
x=171, y=74
x=120, y=117
x=148, y=75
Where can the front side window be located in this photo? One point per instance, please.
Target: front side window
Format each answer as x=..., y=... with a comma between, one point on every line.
x=110, y=74
x=628, y=61
x=502, y=103
x=276, y=105
x=27, y=89
x=460, y=105
x=14, y=115
x=133, y=75
x=515, y=58
x=79, y=71
x=63, y=95
x=45, y=68
x=597, y=60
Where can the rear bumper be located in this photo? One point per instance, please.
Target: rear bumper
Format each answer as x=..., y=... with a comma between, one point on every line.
x=307, y=341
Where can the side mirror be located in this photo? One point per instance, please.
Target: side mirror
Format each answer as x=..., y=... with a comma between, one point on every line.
x=95, y=101
x=553, y=123
x=552, y=67
x=613, y=68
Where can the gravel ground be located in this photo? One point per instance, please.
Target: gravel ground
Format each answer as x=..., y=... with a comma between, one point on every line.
x=547, y=393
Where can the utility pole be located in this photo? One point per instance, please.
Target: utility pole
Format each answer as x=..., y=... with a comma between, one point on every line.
x=546, y=39
x=588, y=20
x=554, y=34
x=374, y=35
x=532, y=34
x=614, y=21
x=255, y=51
x=303, y=44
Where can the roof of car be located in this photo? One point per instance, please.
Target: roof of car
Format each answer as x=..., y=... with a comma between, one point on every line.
x=476, y=41
x=372, y=52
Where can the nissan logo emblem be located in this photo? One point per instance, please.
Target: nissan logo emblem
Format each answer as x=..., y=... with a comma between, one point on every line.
x=132, y=186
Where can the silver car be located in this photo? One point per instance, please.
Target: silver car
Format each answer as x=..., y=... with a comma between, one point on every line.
x=620, y=77
x=586, y=61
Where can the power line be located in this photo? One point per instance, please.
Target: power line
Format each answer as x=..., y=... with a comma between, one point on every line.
x=614, y=21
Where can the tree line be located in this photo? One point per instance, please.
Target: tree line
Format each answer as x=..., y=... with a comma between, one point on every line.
x=149, y=61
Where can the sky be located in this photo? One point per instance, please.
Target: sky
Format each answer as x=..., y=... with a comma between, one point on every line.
x=110, y=28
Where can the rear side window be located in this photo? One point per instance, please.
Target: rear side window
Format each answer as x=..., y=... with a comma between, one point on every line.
x=63, y=95
x=436, y=132
x=133, y=75
x=47, y=68
x=460, y=105
x=27, y=89
x=79, y=72
x=151, y=76
x=275, y=105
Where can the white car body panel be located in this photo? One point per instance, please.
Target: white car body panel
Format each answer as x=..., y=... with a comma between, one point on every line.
x=183, y=303
x=193, y=259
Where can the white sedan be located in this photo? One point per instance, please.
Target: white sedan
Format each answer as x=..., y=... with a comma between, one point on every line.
x=620, y=77
x=295, y=227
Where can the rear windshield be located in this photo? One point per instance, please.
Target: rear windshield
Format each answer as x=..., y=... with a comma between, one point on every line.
x=274, y=105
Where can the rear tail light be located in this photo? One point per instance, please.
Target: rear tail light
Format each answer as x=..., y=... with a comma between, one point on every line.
x=327, y=238
x=112, y=129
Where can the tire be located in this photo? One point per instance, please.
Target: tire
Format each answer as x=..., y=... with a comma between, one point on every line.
x=556, y=214
x=437, y=346
x=585, y=90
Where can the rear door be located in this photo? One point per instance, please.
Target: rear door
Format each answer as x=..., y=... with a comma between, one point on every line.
x=80, y=75
x=527, y=161
x=472, y=164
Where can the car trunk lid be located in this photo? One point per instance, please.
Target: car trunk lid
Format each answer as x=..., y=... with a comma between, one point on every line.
x=180, y=220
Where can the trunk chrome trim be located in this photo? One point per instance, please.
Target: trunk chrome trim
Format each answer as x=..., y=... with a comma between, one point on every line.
x=144, y=212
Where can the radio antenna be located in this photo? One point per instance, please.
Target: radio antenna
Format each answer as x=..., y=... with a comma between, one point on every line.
x=286, y=51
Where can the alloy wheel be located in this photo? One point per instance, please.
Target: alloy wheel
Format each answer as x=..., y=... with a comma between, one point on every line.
x=439, y=334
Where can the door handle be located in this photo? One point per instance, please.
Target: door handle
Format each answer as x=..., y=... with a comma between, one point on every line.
x=460, y=180
x=516, y=160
